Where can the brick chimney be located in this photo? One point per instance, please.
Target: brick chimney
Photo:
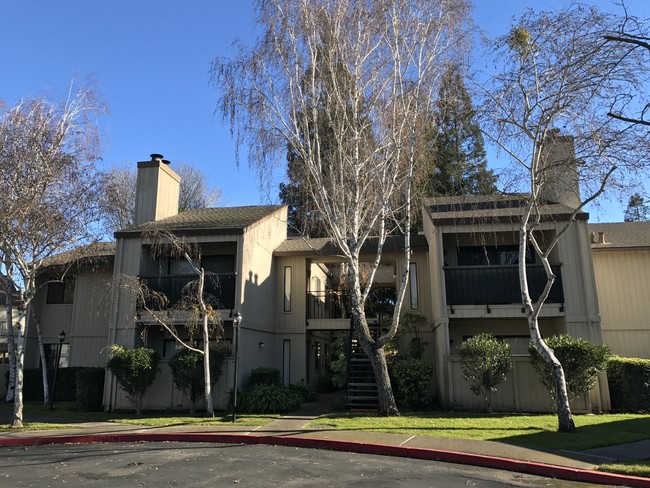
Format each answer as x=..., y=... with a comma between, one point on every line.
x=157, y=187
x=561, y=183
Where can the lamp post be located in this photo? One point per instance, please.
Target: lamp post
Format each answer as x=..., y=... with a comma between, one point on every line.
x=56, y=368
x=236, y=322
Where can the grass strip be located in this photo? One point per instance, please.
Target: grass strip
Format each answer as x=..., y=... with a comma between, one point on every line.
x=525, y=430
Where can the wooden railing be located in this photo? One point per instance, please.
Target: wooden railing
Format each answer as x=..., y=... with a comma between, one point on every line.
x=498, y=285
x=219, y=289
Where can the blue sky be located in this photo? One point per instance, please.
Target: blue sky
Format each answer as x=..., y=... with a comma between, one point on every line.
x=151, y=61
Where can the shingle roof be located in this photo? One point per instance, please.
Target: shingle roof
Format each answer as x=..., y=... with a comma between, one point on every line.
x=620, y=235
x=490, y=208
x=326, y=246
x=90, y=254
x=207, y=220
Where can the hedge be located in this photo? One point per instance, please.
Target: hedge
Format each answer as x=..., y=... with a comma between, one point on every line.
x=66, y=384
x=90, y=389
x=629, y=384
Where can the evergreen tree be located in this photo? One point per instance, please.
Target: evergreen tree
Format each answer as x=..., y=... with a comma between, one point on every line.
x=637, y=210
x=457, y=152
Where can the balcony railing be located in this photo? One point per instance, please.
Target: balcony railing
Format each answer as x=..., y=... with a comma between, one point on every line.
x=498, y=285
x=219, y=289
x=335, y=304
x=329, y=304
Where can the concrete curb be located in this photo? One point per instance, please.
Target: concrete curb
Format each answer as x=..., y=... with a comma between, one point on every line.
x=527, y=467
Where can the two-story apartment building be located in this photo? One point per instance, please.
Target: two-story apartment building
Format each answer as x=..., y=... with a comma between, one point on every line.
x=290, y=291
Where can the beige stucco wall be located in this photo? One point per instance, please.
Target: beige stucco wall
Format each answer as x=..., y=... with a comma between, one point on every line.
x=623, y=283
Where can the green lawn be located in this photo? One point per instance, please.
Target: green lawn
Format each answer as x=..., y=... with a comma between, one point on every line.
x=638, y=468
x=526, y=430
x=65, y=416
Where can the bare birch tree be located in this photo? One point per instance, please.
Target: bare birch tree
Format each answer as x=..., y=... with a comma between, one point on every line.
x=357, y=76
x=48, y=199
x=196, y=312
x=118, y=194
x=555, y=71
x=633, y=34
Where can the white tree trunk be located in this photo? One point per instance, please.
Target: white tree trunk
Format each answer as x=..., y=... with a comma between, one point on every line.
x=20, y=358
x=11, y=346
x=209, y=407
x=565, y=419
x=41, y=351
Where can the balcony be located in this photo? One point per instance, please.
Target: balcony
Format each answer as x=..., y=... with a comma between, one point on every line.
x=331, y=304
x=498, y=285
x=335, y=304
x=219, y=288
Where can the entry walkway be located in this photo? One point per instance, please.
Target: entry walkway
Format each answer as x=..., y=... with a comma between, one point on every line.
x=292, y=430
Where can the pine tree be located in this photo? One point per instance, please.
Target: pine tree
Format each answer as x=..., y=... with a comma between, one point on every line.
x=457, y=152
x=637, y=210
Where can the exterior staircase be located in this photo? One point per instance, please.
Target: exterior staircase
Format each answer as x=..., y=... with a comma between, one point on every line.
x=361, y=390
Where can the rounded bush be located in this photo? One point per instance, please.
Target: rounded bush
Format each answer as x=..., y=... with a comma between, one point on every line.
x=135, y=370
x=581, y=360
x=411, y=380
x=269, y=399
x=486, y=362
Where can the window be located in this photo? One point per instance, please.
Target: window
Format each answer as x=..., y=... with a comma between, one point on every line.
x=491, y=255
x=413, y=285
x=218, y=264
x=287, y=288
x=3, y=328
x=60, y=291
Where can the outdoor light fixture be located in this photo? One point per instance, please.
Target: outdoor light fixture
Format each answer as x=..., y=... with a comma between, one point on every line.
x=56, y=367
x=236, y=323
x=261, y=345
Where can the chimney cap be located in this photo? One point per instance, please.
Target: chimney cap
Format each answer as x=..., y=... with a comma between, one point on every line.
x=158, y=157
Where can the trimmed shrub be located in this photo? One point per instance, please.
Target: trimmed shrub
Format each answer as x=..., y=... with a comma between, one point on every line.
x=269, y=399
x=305, y=393
x=135, y=370
x=90, y=389
x=187, y=372
x=486, y=362
x=411, y=380
x=629, y=384
x=582, y=362
x=264, y=376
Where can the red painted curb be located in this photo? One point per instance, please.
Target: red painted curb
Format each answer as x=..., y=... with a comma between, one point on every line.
x=528, y=467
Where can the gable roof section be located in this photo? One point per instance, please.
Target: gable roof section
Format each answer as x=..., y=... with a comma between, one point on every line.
x=327, y=247
x=621, y=236
x=486, y=209
x=202, y=221
x=95, y=254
